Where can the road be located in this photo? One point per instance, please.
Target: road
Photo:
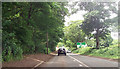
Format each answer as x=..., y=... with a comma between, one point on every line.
x=75, y=60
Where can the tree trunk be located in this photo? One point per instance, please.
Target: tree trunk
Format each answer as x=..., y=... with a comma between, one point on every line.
x=47, y=42
x=76, y=44
x=29, y=13
x=97, y=39
x=76, y=47
x=97, y=42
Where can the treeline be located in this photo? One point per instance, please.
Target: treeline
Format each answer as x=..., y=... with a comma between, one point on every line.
x=74, y=33
x=28, y=26
x=96, y=27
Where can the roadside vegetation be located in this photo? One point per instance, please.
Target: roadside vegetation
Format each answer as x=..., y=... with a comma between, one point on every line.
x=107, y=52
x=95, y=30
x=38, y=27
x=31, y=27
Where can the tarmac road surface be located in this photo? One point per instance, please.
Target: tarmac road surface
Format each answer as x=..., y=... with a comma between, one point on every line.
x=75, y=60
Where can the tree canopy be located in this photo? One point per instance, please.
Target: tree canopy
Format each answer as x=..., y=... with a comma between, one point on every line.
x=27, y=24
x=74, y=33
x=97, y=19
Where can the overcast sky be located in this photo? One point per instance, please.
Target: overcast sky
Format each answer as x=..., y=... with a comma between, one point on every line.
x=74, y=17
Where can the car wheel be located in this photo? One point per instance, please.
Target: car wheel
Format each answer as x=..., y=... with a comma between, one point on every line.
x=65, y=54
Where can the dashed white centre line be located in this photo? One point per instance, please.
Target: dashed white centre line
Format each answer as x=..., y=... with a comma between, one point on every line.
x=80, y=65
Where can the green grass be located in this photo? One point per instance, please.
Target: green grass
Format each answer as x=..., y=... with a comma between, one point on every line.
x=108, y=52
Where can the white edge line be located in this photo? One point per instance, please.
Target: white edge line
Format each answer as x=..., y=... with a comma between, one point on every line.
x=36, y=60
x=79, y=61
x=38, y=64
x=80, y=65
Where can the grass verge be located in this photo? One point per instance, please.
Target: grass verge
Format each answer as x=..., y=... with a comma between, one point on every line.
x=107, y=52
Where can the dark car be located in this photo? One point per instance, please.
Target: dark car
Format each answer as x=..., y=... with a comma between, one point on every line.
x=61, y=51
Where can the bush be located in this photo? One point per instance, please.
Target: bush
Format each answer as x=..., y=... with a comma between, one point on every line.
x=69, y=43
x=40, y=48
x=112, y=51
x=45, y=49
x=17, y=54
x=109, y=52
x=76, y=51
x=26, y=39
x=10, y=49
x=6, y=54
x=83, y=50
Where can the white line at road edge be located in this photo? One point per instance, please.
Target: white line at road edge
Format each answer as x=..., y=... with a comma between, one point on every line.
x=79, y=61
x=36, y=60
x=38, y=64
x=80, y=65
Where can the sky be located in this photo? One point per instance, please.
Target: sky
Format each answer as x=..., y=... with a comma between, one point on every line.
x=74, y=17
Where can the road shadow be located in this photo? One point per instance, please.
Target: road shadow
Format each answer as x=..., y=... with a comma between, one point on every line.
x=61, y=55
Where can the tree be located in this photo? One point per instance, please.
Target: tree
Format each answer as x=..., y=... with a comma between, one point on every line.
x=106, y=42
x=74, y=33
x=119, y=16
x=97, y=19
x=26, y=24
x=69, y=44
x=60, y=44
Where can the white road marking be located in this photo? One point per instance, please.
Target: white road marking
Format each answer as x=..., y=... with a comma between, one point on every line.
x=36, y=60
x=80, y=65
x=78, y=61
x=38, y=64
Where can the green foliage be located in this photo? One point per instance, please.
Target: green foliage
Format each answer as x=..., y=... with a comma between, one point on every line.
x=69, y=43
x=97, y=19
x=73, y=33
x=83, y=50
x=76, y=51
x=25, y=25
x=106, y=42
x=90, y=42
x=108, y=52
x=10, y=47
x=45, y=50
x=60, y=44
x=114, y=42
x=7, y=56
